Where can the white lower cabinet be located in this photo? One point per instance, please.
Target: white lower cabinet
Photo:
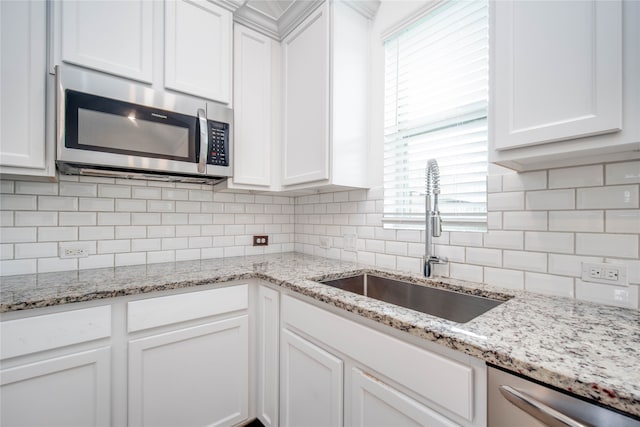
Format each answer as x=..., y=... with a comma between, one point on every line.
x=55, y=369
x=267, y=311
x=311, y=384
x=190, y=377
x=329, y=362
x=374, y=403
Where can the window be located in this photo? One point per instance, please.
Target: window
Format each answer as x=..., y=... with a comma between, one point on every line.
x=436, y=92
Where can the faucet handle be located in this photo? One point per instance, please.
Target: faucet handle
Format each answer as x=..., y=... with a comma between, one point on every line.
x=436, y=225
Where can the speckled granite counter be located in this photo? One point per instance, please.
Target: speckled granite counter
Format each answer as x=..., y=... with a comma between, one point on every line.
x=588, y=349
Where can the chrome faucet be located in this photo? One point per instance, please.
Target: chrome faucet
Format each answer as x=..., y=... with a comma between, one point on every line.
x=433, y=223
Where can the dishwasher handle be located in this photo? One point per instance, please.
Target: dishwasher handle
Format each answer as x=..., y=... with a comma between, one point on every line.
x=537, y=409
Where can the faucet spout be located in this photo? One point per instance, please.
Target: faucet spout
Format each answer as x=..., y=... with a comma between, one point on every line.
x=433, y=222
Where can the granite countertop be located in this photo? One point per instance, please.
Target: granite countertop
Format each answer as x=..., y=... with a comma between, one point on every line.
x=588, y=349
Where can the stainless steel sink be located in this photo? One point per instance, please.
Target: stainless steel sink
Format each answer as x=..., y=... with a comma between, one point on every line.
x=450, y=305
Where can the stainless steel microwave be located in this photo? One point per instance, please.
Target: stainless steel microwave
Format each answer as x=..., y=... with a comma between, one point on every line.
x=108, y=126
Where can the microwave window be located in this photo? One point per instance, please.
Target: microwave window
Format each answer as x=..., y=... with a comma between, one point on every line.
x=117, y=132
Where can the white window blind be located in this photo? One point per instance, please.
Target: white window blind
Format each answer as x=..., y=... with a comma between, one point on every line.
x=436, y=91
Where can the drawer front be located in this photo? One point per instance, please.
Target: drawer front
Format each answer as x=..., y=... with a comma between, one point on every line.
x=40, y=333
x=437, y=378
x=160, y=311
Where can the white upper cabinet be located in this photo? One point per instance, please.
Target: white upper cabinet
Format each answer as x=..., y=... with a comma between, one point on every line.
x=197, y=58
x=114, y=37
x=563, y=89
x=23, y=57
x=252, y=108
x=325, y=94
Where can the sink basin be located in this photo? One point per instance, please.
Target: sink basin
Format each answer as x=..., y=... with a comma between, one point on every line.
x=449, y=305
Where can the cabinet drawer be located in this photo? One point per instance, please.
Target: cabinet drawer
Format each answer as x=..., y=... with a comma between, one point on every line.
x=154, y=312
x=437, y=378
x=39, y=333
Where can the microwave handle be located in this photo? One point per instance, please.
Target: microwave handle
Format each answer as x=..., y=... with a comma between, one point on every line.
x=204, y=140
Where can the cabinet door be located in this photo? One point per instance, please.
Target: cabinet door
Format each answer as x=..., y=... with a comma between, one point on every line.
x=310, y=385
x=306, y=100
x=252, y=107
x=268, y=325
x=73, y=390
x=197, y=57
x=191, y=377
x=374, y=403
x=22, y=85
x=113, y=37
x=557, y=71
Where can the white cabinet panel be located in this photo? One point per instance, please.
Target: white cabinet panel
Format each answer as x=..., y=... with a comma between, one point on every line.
x=197, y=57
x=311, y=384
x=268, y=324
x=306, y=100
x=252, y=107
x=72, y=390
x=114, y=37
x=558, y=71
x=23, y=55
x=374, y=403
x=191, y=377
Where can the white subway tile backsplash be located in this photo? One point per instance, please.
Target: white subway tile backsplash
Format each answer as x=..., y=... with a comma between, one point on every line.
x=7, y=187
x=114, y=191
x=610, y=197
x=57, y=203
x=50, y=265
x=18, y=266
x=131, y=258
x=160, y=256
x=146, y=193
x=161, y=206
x=550, y=200
x=494, y=220
x=521, y=260
x=35, y=218
x=582, y=176
x=96, y=261
x=412, y=265
x=12, y=202
x=525, y=181
x=548, y=242
x=6, y=219
x=527, y=220
x=188, y=207
x=482, y=256
x=107, y=218
x=97, y=205
x=621, y=296
x=146, y=245
x=633, y=268
x=78, y=189
x=622, y=173
x=623, y=221
x=396, y=248
x=203, y=219
x=32, y=187
x=6, y=251
x=549, y=284
x=35, y=250
x=175, y=243
x=513, y=201
x=385, y=261
x=609, y=245
x=458, y=238
x=175, y=218
x=96, y=233
x=131, y=205
x=175, y=194
x=161, y=231
x=57, y=234
x=494, y=183
x=587, y=221
x=503, y=239
x=146, y=219
x=472, y=273
x=18, y=234
x=510, y=279
x=187, y=254
x=201, y=195
x=451, y=253
x=114, y=246
x=200, y=242
x=569, y=265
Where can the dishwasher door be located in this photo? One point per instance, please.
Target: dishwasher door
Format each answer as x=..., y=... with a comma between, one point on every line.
x=515, y=401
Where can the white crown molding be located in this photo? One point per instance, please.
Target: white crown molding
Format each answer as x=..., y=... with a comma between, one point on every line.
x=297, y=12
x=400, y=25
x=230, y=5
x=258, y=21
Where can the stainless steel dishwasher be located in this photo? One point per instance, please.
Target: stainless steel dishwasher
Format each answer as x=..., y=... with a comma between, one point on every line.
x=516, y=402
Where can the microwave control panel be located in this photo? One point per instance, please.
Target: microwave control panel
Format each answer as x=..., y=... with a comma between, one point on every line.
x=218, y=143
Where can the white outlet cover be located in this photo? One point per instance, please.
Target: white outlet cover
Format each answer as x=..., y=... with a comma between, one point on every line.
x=74, y=249
x=604, y=269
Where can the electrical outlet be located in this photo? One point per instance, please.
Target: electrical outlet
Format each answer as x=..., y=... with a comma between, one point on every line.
x=260, y=240
x=614, y=274
x=74, y=250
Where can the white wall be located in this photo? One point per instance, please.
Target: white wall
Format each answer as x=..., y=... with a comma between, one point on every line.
x=128, y=222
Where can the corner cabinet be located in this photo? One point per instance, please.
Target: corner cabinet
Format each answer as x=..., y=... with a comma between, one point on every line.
x=325, y=99
x=563, y=83
x=25, y=146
